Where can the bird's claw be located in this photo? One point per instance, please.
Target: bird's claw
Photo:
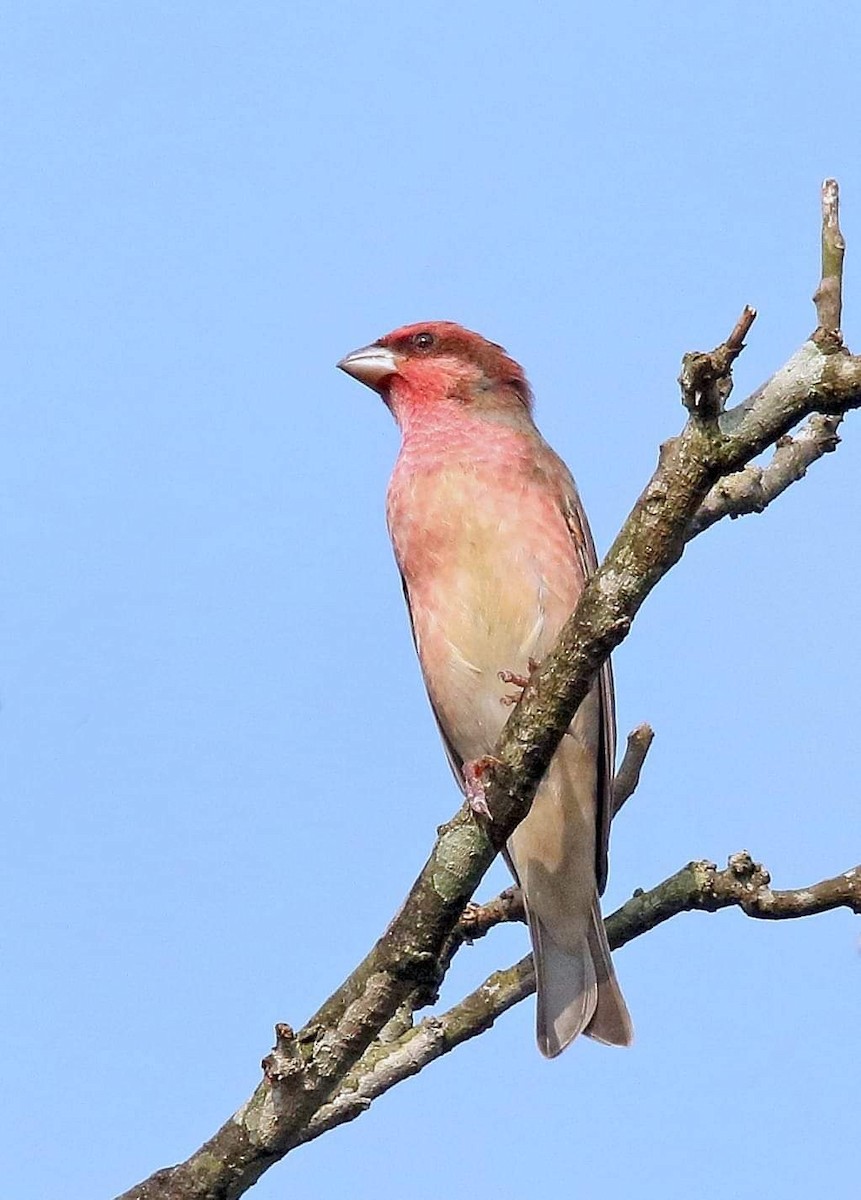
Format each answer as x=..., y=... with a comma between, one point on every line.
x=515, y=680
x=473, y=779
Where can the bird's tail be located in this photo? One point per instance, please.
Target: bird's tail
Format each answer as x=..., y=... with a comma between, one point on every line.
x=577, y=989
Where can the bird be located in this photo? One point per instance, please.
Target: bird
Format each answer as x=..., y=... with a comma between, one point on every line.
x=494, y=550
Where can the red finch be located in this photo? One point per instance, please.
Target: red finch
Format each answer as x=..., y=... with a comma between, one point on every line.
x=494, y=550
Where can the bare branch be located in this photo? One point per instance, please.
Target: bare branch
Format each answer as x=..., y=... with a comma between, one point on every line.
x=435, y=1036
x=828, y=296
x=628, y=776
x=699, y=886
x=820, y=377
x=754, y=488
x=744, y=884
x=706, y=379
x=479, y=919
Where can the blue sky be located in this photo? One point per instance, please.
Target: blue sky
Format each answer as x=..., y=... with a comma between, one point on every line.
x=219, y=772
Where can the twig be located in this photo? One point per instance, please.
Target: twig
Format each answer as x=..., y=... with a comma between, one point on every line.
x=479, y=919
x=734, y=344
x=706, y=379
x=828, y=296
x=628, y=775
x=743, y=884
x=699, y=886
x=754, y=488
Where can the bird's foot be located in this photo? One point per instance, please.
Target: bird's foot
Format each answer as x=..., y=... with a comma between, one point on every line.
x=515, y=680
x=474, y=772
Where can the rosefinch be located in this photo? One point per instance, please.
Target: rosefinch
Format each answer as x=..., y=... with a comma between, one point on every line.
x=494, y=549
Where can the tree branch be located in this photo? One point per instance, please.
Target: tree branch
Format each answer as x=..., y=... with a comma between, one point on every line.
x=478, y=919
x=828, y=296
x=706, y=379
x=307, y=1070
x=698, y=887
x=628, y=776
x=754, y=488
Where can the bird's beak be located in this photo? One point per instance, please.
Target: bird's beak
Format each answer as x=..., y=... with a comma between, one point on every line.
x=370, y=365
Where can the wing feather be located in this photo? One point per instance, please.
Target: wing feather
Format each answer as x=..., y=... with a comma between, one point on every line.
x=581, y=536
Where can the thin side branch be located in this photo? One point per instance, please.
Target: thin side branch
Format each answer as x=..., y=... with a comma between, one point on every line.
x=479, y=919
x=706, y=379
x=754, y=488
x=699, y=887
x=828, y=296
x=744, y=884
x=628, y=776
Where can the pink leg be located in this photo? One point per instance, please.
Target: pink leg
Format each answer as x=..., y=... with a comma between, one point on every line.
x=515, y=680
x=518, y=681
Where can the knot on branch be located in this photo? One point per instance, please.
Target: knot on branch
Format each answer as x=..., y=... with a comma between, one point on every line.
x=829, y=341
x=706, y=378
x=752, y=874
x=706, y=383
x=284, y=1063
x=418, y=967
x=743, y=882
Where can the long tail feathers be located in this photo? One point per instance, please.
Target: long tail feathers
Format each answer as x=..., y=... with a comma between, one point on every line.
x=577, y=991
x=611, y=1021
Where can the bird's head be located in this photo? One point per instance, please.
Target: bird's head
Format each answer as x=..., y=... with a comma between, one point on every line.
x=440, y=365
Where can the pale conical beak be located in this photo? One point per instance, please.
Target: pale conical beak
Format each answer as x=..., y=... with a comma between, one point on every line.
x=370, y=365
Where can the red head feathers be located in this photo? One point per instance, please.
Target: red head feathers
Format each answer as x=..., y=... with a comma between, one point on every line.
x=435, y=361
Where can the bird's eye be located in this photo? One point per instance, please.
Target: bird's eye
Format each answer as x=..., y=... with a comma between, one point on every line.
x=423, y=341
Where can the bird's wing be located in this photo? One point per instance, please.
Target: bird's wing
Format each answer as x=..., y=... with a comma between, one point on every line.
x=584, y=546
x=454, y=759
